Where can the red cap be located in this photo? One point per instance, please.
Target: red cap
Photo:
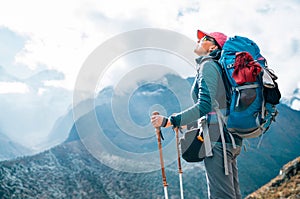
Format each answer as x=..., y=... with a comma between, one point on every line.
x=218, y=36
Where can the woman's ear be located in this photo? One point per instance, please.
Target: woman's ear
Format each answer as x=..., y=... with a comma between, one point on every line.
x=212, y=48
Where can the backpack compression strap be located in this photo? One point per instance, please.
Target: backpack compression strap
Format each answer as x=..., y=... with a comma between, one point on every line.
x=221, y=121
x=202, y=124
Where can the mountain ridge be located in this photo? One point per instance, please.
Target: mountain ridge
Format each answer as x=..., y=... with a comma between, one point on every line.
x=10, y=149
x=70, y=170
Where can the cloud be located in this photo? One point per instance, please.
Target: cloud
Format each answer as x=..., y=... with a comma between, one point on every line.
x=151, y=93
x=59, y=36
x=31, y=106
x=273, y=25
x=27, y=117
x=62, y=34
x=13, y=87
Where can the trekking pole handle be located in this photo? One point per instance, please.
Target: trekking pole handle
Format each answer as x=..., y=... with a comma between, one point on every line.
x=158, y=132
x=157, y=128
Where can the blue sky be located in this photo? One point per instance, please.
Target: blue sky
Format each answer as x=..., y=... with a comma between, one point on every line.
x=55, y=37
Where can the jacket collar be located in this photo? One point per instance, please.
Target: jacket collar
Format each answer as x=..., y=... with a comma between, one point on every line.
x=215, y=55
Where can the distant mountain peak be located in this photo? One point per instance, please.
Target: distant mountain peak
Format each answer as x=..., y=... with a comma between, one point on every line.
x=293, y=101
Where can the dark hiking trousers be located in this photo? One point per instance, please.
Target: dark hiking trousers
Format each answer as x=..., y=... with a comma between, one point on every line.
x=221, y=186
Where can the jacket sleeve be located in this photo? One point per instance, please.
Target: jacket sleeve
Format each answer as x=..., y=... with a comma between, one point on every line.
x=207, y=81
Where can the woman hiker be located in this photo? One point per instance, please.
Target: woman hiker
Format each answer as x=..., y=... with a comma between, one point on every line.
x=207, y=88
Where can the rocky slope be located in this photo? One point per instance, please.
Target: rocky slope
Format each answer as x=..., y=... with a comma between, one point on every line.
x=69, y=171
x=285, y=185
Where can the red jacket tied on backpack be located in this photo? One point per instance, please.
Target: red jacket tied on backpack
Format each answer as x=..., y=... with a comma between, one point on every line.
x=245, y=68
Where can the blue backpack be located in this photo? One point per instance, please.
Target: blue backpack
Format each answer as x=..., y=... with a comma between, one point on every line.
x=252, y=92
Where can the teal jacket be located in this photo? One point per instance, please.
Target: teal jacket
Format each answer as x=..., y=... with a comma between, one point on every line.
x=207, y=87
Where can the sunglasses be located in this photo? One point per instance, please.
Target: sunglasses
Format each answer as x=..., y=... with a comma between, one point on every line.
x=207, y=38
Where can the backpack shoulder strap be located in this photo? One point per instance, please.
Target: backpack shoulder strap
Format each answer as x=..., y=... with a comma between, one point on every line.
x=225, y=81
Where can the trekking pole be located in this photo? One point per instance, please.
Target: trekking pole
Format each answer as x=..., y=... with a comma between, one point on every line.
x=179, y=163
x=158, y=134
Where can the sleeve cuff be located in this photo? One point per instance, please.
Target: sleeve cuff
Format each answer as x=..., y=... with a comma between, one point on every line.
x=172, y=120
x=164, y=122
